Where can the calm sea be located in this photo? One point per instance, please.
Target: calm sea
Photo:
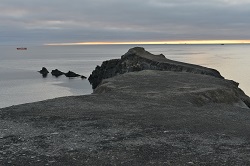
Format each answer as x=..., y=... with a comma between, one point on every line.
x=21, y=83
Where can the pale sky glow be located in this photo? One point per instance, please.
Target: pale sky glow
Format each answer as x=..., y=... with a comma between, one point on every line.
x=159, y=42
x=119, y=21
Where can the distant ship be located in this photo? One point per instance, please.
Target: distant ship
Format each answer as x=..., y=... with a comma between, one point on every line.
x=21, y=48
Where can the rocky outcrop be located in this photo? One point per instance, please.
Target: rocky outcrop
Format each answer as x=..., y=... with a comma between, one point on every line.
x=83, y=77
x=197, y=90
x=57, y=73
x=44, y=71
x=72, y=74
x=149, y=117
x=137, y=59
x=140, y=118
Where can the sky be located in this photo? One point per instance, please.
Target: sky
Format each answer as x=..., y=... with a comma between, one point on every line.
x=122, y=21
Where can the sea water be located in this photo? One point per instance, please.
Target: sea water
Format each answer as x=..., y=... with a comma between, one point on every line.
x=21, y=83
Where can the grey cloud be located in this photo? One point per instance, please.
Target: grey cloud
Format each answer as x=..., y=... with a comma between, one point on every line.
x=116, y=20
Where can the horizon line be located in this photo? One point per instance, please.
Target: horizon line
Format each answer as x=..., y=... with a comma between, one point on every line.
x=153, y=42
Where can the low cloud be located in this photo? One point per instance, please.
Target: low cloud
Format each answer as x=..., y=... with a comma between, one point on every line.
x=117, y=20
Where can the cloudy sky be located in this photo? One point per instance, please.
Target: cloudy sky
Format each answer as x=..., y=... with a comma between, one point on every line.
x=66, y=21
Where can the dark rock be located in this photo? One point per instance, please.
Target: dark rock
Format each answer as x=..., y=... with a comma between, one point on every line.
x=137, y=59
x=43, y=71
x=71, y=74
x=57, y=73
x=83, y=77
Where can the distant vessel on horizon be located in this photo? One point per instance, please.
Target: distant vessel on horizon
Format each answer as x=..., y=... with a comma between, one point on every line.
x=21, y=48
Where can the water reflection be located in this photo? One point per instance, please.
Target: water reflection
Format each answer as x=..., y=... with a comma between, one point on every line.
x=45, y=75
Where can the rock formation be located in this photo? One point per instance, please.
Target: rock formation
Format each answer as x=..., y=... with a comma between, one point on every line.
x=57, y=73
x=44, y=72
x=140, y=118
x=71, y=74
x=149, y=117
x=83, y=77
x=137, y=59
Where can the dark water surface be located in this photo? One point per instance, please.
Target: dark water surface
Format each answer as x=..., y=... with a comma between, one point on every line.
x=21, y=83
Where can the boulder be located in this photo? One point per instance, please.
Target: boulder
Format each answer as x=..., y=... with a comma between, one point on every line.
x=137, y=59
x=71, y=74
x=57, y=73
x=44, y=72
x=83, y=77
